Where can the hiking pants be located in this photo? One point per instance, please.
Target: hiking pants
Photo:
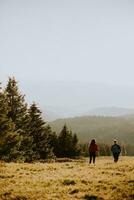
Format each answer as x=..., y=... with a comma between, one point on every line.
x=92, y=156
x=116, y=156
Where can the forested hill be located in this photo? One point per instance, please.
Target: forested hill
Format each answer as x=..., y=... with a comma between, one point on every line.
x=104, y=129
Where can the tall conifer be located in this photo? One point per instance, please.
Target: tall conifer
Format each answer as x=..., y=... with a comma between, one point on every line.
x=18, y=113
x=67, y=144
x=40, y=133
x=17, y=104
x=9, y=139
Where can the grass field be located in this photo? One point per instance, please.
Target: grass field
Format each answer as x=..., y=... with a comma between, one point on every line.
x=68, y=180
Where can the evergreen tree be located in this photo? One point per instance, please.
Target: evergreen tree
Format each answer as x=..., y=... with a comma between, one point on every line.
x=9, y=139
x=63, y=143
x=52, y=141
x=16, y=102
x=18, y=113
x=76, y=148
x=40, y=132
x=67, y=144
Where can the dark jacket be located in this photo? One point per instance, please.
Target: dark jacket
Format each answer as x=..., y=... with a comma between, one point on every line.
x=116, y=148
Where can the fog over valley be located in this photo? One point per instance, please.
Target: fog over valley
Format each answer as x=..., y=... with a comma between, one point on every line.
x=69, y=99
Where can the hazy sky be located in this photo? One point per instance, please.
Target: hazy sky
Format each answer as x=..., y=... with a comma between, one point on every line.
x=80, y=40
x=67, y=40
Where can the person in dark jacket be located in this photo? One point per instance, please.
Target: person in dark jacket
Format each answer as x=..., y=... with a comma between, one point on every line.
x=93, y=149
x=116, y=149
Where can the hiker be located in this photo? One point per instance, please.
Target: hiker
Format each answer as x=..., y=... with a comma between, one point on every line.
x=116, y=149
x=93, y=149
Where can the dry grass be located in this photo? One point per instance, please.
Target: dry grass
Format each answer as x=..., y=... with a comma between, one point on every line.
x=68, y=180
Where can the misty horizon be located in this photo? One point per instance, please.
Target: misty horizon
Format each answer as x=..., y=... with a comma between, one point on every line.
x=69, y=56
x=75, y=98
x=71, y=99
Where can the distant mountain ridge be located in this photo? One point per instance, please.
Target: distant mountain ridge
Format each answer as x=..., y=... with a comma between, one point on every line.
x=100, y=111
x=105, y=129
x=70, y=99
x=110, y=111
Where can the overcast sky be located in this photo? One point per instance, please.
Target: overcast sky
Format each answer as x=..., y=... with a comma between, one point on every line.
x=67, y=40
x=79, y=40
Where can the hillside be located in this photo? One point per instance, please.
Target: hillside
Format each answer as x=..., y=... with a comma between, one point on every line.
x=110, y=111
x=104, y=129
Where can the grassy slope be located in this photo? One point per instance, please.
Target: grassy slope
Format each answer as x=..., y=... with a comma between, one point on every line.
x=104, y=129
x=70, y=180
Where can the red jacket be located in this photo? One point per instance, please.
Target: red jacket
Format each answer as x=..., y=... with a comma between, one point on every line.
x=93, y=148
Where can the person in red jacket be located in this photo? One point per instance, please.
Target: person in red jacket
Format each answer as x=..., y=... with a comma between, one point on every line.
x=93, y=149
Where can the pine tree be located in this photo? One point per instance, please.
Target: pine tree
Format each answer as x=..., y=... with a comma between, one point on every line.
x=18, y=113
x=75, y=147
x=67, y=144
x=9, y=139
x=63, y=143
x=35, y=134
x=53, y=142
x=16, y=102
x=40, y=133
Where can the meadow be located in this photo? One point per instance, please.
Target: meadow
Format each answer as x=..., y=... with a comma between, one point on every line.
x=73, y=179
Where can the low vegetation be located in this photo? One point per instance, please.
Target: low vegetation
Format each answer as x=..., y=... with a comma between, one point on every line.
x=68, y=180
